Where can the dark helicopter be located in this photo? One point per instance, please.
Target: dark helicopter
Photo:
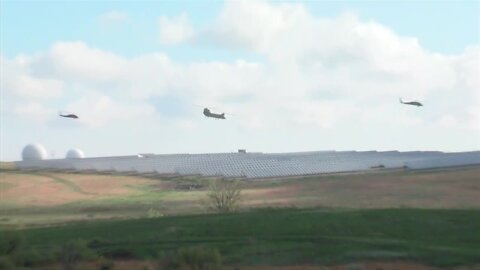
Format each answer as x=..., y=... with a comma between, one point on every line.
x=414, y=103
x=207, y=113
x=69, y=115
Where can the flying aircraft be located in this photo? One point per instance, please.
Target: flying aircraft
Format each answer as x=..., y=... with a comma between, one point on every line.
x=207, y=113
x=69, y=115
x=414, y=103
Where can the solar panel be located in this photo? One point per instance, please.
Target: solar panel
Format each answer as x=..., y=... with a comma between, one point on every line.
x=259, y=165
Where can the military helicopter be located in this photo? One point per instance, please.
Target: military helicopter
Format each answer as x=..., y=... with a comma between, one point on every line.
x=207, y=113
x=414, y=103
x=68, y=115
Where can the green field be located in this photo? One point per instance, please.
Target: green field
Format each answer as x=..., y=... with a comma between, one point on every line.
x=308, y=236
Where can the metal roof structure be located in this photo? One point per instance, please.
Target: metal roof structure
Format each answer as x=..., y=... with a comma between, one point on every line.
x=257, y=165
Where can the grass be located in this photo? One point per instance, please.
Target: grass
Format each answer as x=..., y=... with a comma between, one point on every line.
x=7, y=165
x=452, y=189
x=324, y=230
x=5, y=186
x=288, y=236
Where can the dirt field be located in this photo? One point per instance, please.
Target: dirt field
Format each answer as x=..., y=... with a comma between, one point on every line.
x=426, y=189
x=46, y=197
x=50, y=189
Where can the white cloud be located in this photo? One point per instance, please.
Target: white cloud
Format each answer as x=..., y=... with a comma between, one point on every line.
x=76, y=61
x=175, y=30
x=34, y=112
x=344, y=58
x=17, y=81
x=323, y=114
x=32, y=88
x=474, y=119
x=188, y=125
x=314, y=73
x=448, y=121
x=114, y=16
x=96, y=110
x=257, y=25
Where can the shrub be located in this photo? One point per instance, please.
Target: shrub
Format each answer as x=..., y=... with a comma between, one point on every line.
x=105, y=264
x=224, y=195
x=94, y=243
x=72, y=252
x=120, y=253
x=6, y=263
x=10, y=243
x=27, y=257
x=153, y=213
x=193, y=258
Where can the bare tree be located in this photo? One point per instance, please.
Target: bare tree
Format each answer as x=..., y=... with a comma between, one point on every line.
x=224, y=195
x=72, y=252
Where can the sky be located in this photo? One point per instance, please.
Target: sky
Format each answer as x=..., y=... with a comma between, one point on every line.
x=291, y=76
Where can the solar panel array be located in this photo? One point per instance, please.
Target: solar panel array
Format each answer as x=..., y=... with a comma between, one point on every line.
x=258, y=165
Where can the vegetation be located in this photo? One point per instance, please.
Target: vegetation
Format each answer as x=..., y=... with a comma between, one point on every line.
x=15, y=253
x=224, y=195
x=72, y=252
x=7, y=166
x=192, y=258
x=138, y=223
x=96, y=197
x=280, y=237
x=6, y=263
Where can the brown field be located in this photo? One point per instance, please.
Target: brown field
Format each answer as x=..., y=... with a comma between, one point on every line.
x=426, y=189
x=39, y=198
x=7, y=165
x=50, y=189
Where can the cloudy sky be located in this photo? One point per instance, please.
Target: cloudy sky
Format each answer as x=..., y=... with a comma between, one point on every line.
x=295, y=76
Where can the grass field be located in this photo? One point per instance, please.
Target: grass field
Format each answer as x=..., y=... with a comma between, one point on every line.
x=43, y=198
x=356, y=221
x=310, y=236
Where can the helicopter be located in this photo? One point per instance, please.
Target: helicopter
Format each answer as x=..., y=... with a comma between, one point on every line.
x=68, y=115
x=207, y=113
x=414, y=103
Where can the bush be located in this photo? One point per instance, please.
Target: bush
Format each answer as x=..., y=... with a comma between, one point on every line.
x=27, y=257
x=120, y=253
x=94, y=243
x=72, y=252
x=105, y=264
x=194, y=258
x=224, y=195
x=14, y=249
x=10, y=243
x=6, y=263
x=153, y=213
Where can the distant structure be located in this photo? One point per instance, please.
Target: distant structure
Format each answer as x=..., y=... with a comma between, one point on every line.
x=255, y=165
x=74, y=153
x=145, y=155
x=34, y=152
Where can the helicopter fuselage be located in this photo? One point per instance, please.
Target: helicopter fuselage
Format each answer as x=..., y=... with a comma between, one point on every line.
x=414, y=103
x=69, y=116
x=207, y=113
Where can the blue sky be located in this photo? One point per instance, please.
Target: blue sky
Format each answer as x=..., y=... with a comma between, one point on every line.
x=295, y=79
x=32, y=26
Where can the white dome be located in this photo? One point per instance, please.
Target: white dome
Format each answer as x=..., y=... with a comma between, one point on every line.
x=34, y=152
x=74, y=153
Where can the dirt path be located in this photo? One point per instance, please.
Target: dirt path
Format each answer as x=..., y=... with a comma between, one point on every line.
x=68, y=184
